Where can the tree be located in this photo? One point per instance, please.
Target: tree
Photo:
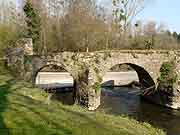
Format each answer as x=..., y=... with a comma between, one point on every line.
x=168, y=32
x=82, y=28
x=150, y=28
x=12, y=25
x=124, y=11
x=138, y=28
x=175, y=35
x=150, y=31
x=179, y=38
x=162, y=28
x=33, y=22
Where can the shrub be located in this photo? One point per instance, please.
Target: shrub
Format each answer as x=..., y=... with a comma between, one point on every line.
x=168, y=75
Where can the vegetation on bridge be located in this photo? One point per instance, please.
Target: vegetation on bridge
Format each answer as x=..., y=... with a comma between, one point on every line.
x=168, y=77
x=27, y=110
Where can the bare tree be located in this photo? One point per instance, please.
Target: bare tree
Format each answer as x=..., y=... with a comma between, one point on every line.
x=125, y=11
x=150, y=28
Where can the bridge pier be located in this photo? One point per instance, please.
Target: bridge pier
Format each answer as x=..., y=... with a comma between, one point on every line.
x=84, y=93
x=147, y=63
x=94, y=99
x=167, y=91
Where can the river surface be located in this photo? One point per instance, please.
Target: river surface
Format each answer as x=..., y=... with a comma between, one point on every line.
x=127, y=101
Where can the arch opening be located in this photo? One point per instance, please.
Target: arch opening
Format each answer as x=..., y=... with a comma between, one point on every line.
x=56, y=80
x=126, y=74
x=125, y=83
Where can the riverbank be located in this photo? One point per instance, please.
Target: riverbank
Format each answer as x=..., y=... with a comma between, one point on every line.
x=25, y=110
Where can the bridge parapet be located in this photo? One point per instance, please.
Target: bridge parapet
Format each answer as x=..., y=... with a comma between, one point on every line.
x=146, y=63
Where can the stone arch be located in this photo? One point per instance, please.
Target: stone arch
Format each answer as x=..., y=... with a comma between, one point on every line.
x=49, y=65
x=144, y=76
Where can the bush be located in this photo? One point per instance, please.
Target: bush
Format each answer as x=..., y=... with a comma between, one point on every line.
x=8, y=36
x=168, y=75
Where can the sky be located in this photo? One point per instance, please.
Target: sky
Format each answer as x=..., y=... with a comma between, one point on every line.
x=160, y=11
x=163, y=11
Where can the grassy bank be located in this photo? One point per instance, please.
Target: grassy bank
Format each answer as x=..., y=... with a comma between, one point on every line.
x=27, y=111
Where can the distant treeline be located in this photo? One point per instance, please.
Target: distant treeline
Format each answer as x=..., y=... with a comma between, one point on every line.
x=83, y=25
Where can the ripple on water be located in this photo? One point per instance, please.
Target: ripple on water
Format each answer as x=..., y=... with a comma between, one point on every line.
x=126, y=101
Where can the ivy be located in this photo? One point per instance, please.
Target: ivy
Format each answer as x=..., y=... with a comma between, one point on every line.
x=168, y=75
x=96, y=86
x=33, y=22
x=27, y=60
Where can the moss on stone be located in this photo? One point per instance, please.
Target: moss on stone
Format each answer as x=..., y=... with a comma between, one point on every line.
x=97, y=86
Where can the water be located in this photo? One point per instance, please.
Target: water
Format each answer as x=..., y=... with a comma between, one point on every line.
x=126, y=101
x=119, y=100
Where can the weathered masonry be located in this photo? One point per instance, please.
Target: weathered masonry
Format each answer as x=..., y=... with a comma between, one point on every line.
x=146, y=63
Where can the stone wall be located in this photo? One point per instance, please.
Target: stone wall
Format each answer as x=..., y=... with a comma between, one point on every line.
x=146, y=63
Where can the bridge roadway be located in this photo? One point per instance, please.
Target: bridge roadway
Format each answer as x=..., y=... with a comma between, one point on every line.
x=64, y=80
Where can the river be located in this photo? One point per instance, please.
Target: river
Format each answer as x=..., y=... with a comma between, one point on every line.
x=127, y=101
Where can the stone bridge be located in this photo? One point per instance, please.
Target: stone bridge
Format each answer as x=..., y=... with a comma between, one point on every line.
x=146, y=63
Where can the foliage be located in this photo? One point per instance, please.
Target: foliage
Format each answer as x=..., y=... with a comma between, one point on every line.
x=82, y=28
x=8, y=36
x=33, y=24
x=23, y=110
x=124, y=12
x=97, y=86
x=168, y=75
x=78, y=25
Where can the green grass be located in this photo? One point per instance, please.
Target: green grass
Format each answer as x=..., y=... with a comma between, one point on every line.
x=25, y=110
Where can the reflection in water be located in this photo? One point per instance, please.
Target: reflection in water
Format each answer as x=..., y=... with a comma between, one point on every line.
x=119, y=101
x=122, y=101
x=126, y=101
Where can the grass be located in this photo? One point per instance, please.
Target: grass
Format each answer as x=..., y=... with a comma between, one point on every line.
x=25, y=110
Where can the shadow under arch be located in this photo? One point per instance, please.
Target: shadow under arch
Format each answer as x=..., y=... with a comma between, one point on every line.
x=144, y=77
x=62, y=91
